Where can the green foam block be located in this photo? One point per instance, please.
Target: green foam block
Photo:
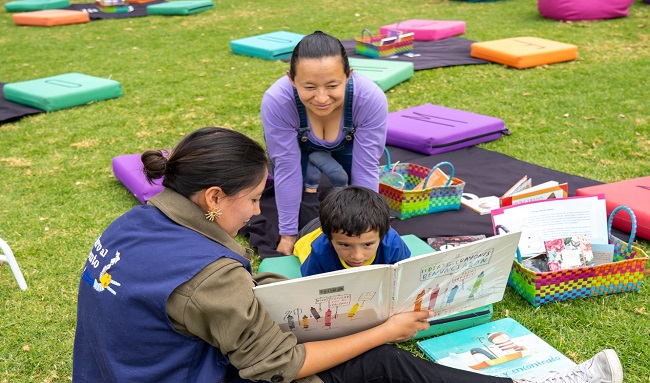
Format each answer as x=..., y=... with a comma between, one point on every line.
x=62, y=91
x=180, y=8
x=35, y=5
x=384, y=73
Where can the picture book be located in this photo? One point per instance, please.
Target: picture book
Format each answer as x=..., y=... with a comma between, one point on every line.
x=523, y=191
x=502, y=348
x=481, y=205
x=547, y=190
x=523, y=183
x=438, y=178
x=444, y=243
x=569, y=253
x=343, y=302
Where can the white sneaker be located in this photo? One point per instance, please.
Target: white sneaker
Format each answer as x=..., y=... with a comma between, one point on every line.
x=604, y=367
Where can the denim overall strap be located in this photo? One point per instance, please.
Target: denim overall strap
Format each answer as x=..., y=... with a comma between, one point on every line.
x=348, y=127
x=302, y=113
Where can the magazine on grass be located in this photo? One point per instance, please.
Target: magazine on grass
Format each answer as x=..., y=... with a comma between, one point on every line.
x=503, y=348
x=343, y=302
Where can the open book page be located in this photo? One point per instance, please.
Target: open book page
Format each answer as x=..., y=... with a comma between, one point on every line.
x=545, y=220
x=329, y=305
x=455, y=280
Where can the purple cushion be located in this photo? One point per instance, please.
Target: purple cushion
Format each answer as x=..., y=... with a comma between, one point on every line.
x=432, y=129
x=129, y=170
x=577, y=10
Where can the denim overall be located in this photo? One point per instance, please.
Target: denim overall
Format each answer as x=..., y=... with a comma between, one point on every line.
x=341, y=152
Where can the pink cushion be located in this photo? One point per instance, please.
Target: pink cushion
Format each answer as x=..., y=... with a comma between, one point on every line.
x=427, y=30
x=577, y=10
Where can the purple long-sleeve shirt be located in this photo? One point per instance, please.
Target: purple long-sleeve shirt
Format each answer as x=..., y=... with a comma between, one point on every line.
x=281, y=121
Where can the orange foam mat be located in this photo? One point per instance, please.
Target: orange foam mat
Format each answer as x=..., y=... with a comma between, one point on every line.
x=524, y=52
x=51, y=17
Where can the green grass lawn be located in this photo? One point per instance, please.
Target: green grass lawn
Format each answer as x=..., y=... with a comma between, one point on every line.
x=589, y=117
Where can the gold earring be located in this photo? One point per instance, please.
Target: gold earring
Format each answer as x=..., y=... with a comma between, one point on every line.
x=213, y=214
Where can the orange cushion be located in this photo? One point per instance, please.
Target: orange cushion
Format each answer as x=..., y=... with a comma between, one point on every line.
x=51, y=17
x=524, y=52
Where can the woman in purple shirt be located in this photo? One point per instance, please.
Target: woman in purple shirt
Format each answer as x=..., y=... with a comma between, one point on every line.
x=320, y=105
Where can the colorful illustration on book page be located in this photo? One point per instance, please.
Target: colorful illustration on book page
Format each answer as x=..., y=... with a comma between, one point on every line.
x=569, y=253
x=334, y=311
x=460, y=281
x=329, y=305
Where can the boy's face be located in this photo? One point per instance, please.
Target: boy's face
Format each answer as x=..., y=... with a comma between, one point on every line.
x=356, y=251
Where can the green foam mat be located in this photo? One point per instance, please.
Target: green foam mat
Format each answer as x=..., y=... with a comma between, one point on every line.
x=269, y=46
x=35, y=5
x=62, y=91
x=384, y=73
x=181, y=7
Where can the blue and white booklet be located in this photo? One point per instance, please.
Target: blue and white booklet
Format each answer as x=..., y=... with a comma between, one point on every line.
x=502, y=348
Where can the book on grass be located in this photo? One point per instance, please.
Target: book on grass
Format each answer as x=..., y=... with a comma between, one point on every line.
x=502, y=348
x=343, y=302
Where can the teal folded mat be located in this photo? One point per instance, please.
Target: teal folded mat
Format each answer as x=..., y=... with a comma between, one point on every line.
x=35, y=5
x=62, y=91
x=181, y=7
x=269, y=46
x=384, y=73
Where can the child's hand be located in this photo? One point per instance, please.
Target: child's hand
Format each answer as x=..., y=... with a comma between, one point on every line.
x=404, y=326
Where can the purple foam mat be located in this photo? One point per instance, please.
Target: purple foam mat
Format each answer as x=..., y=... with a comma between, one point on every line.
x=128, y=170
x=432, y=129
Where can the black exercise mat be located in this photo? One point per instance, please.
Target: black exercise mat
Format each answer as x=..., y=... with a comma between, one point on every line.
x=429, y=54
x=484, y=172
x=95, y=12
x=11, y=111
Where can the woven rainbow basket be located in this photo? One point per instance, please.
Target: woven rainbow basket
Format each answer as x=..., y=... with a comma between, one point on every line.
x=406, y=203
x=624, y=274
x=372, y=46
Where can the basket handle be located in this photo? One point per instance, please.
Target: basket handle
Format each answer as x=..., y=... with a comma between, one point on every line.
x=387, y=156
x=505, y=230
x=632, y=219
x=451, y=174
x=366, y=30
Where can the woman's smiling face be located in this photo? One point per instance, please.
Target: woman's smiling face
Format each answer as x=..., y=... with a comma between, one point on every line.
x=321, y=84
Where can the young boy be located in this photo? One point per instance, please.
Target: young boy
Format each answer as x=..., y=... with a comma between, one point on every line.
x=354, y=231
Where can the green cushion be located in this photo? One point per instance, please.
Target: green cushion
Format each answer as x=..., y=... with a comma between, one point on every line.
x=416, y=245
x=269, y=46
x=35, y=5
x=181, y=7
x=289, y=266
x=384, y=73
x=62, y=91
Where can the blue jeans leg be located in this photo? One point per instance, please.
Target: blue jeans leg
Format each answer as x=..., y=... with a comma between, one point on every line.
x=324, y=162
